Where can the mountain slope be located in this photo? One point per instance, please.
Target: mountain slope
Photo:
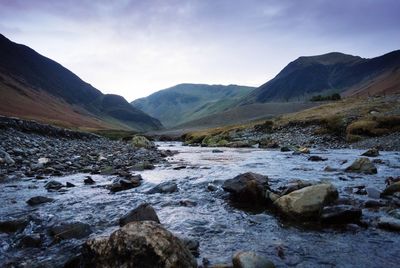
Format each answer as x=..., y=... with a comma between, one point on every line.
x=29, y=79
x=186, y=102
x=325, y=74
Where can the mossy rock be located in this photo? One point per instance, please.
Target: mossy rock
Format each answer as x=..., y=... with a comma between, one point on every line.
x=142, y=142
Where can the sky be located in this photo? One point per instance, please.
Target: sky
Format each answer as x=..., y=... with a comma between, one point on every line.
x=136, y=47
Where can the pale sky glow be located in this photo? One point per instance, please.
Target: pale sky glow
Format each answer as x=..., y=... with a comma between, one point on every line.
x=134, y=48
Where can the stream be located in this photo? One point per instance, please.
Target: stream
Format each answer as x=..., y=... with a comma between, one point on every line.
x=208, y=216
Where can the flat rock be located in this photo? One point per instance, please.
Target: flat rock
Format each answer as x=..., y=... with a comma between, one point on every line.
x=143, y=244
x=249, y=259
x=362, y=165
x=144, y=212
x=164, y=188
x=37, y=200
x=76, y=230
x=307, y=202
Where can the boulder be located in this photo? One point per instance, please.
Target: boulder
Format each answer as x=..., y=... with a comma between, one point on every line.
x=144, y=212
x=316, y=158
x=285, y=149
x=88, y=180
x=164, y=188
x=371, y=153
x=53, y=185
x=76, y=230
x=247, y=187
x=37, y=200
x=13, y=225
x=340, y=214
x=389, y=223
x=143, y=244
x=249, y=259
x=142, y=142
x=307, y=202
x=362, y=165
x=391, y=189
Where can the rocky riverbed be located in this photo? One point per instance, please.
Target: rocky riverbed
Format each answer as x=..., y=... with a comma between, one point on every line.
x=315, y=208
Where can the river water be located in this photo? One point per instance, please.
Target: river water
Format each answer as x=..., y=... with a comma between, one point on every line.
x=209, y=217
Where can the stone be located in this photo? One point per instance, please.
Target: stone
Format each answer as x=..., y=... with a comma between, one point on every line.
x=371, y=153
x=372, y=192
x=13, y=225
x=340, y=214
x=37, y=200
x=303, y=150
x=142, y=142
x=362, y=165
x=247, y=187
x=191, y=244
x=217, y=151
x=72, y=230
x=307, y=202
x=330, y=169
x=316, y=158
x=143, y=244
x=270, y=196
x=53, y=185
x=391, y=189
x=125, y=184
x=43, y=160
x=69, y=185
x=294, y=186
x=389, y=223
x=144, y=212
x=249, y=259
x=88, y=180
x=164, y=188
x=30, y=241
x=285, y=149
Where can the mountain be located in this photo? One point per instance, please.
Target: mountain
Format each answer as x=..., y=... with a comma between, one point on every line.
x=35, y=87
x=187, y=102
x=324, y=74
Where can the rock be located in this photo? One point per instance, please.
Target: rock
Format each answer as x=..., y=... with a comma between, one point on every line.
x=285, y=149
x=340, y=214
x=43, y=160
x=211, y=187
x=238, y=144
x=371, y=153
x=247, y=187
x=362, y=165
x=164, y=188
x=53, y=185
x=373, y=192
x=70, y=185
x=191, y=244
x=76, y=230
x=307, y=202
x=389, y=223
x=187, y=203
x=270, y=196
x=142, y=142
x=217, y=151
x=249, y=259
x=391, y=189
x=13, y=225
x=30, y=241
x=303, y=150
x=375, y=203
x=88, y=180
x=144, y=212
x=125, y=184
x=37, y=200
x=143, y=244
x=294, y=186
x=316, y=158
x=268, y=143
x=330, y=169
x=395, y=213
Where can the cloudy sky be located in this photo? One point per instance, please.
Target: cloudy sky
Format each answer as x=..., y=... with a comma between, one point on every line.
x=136, y=47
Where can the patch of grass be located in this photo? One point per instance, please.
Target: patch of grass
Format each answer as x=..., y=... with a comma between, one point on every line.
x=115, y=134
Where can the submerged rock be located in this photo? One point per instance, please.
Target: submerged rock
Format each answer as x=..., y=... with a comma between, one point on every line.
x=37, y=200
x=362, y=165
x=30, y=241
x=71, y=230
x=316, y=158
x=53, y=185
x=371, y=153
x=307, y=202
x=164, y=188
x=144, y=212
x=249, y=259
x=138, y=244
x=13, y=225
x=247, y=187
x=340, y=214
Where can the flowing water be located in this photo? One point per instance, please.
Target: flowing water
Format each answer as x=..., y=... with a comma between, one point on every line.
x=209, y=218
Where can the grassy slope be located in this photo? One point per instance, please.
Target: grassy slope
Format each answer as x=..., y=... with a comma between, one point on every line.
x=187, y=102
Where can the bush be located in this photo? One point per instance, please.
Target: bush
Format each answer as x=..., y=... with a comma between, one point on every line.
x=333, y=97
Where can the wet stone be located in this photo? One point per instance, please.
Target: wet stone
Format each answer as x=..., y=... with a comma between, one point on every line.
x=70, y=230
x=88, y=180
x=340, y=214
x=164, y=188
x=37, y=200
x=53, y=185
x=144, y=212
x=13, y=225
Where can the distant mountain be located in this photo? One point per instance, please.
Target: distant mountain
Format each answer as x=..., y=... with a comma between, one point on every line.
x=325, y=74
x=35, y=87
x=187, y=102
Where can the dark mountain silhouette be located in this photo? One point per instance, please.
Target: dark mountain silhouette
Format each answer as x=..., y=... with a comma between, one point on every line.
x=33, y=86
